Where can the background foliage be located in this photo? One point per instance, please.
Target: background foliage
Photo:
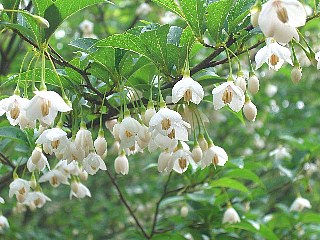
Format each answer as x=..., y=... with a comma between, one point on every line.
x=260, y=186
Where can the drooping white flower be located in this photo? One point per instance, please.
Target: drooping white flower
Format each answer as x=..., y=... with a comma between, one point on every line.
x=68, y=168
x=228, y=94
x=148, y=114
x=160, y=141
x=180, y=160
x=73, y=153
x=128, y=131
x=241, y=82
x=79, y=190
x=55, y=178
x=202, y=142
x=45, y=106
x=214, y=155
x=100, y=145
x=250, y=111
x=231, y=216
x=163, y=160
x=37, y=160
x=36, y=199
x=317, y=57
x=92, y=163
x=188, y=89
x=253, y=84
x=84, y=140
x=121, y=164
x=53, y=140
x=197, y=153
x=13, y=106
x=110, y=124
x=273, y=54
x=169, y=123
x=3, y=223
x=144, y=137
x=299, y=204
x=280, y=18
x=20, y=188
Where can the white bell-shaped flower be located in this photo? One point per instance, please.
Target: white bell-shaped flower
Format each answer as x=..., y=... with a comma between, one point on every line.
x=214, y=155
x=231, y=216
x=253, y=84
x=20, y=188
x=163, y=160
x=144, y=137
x=160, y=141
x=68, y=168
x=100, y=145
x=299, y=204
x=73, y=153
x=55, y=178
x=79, y=190
x=296, y=75
x=45, y=106
x=92, y=163
x=241, y=82
x=228, y=94
x=3, y=223
x=180, y=160
x=84, y=140
x=121, y=164
x=188, y=89
x=53, y=140
x=110, y=124
x=280, y=18
x=128, y=131
x=13, y=107
x=37, y=160
x=36, y=199
x=273, y=54
x=169, y=123
x=197, y=153
x=148, y=114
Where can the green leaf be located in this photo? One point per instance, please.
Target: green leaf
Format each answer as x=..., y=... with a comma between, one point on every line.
x=238, y=12
x=194, y=11
x=169, y=5
x=229, y=183
x=13, y=133
x=244, y=174
x=22, y=29
x=310, y=218
x=57, y=11
x=84, y=44
x=217, y=13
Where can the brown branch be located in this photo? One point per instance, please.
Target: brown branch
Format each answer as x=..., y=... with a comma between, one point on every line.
x=124, y=201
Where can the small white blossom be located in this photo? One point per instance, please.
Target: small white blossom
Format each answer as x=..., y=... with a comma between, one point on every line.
x=53, y=140
x=241, y=82
x=100, y=145
x=147, y=115
x=299, y=204
x=188, y=89
x=253, y=84
x=79, y=190
x=230, y=94
x=36, y=199
x=250, y=111
x=128, y=131
x=214, y=155
x=92, y=163
x=84, y=141
x=20, y=188
x=37, y=160
x=231, y=216
x=55, y=178
x=13, y=107
x=163, y=160
x=280, y=18
x=3, y=223
x=273, y=54
x=45, y=106
x=121, y=164
x=296, y=75
x=180, y=160
x=197, y=153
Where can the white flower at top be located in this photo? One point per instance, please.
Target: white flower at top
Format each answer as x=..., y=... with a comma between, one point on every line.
x=13, y=107
x=280, y=18
x=45, y=106
x=318, y=59
x=214, y=155
x=36, y=199
x=3, y=223
x=188, y=89
x=231, y=216
x=53, y=140
x=299, y=204
x=92, y=163
x=20, y=188
x=228, y=94
x=169, y=123
x=273, y=54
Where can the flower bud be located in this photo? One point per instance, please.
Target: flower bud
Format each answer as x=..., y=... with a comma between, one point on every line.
x=110, y=124
x=230, y=216
x=197, y=153
x=36, y=155
x=253, y=84
x=121, y=164
x=296, y=75
x=184, y=211
x=148, y=115
x=250, y=111
x=42, y=22
x=241, y=83
x=100, y=144
x=202, y=143
x=83, y=175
